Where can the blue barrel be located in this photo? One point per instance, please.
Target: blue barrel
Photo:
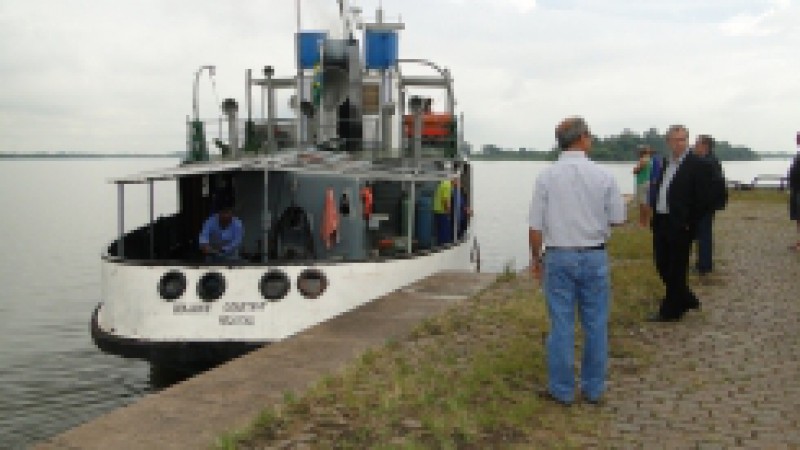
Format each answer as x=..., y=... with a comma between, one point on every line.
x=308, y=45
x=381, y=49
x=423, y=225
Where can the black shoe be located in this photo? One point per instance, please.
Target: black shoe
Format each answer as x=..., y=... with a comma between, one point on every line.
x=594, y=402
x=695, y=306
x=545, y=394
x=659, y=318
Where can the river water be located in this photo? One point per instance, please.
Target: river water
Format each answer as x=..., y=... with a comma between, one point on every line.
x=56, y=217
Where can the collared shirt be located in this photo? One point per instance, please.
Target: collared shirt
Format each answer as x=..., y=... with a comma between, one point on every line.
x=228, y=238
x=669, y=173
x=574, y=202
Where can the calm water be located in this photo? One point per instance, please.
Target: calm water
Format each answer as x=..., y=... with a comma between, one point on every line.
x=57, y=216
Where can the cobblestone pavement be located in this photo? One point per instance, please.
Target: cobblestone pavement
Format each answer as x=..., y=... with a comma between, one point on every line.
x=729, y=375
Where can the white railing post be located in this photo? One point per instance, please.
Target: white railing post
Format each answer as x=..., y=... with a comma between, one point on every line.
x=121, y=220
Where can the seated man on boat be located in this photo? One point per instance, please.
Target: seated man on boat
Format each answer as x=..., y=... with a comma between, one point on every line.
x=222, y=235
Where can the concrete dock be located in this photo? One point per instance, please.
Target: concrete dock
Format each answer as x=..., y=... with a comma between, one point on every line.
x=190, y=415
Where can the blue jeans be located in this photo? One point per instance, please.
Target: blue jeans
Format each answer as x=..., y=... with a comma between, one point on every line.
x=577, y=278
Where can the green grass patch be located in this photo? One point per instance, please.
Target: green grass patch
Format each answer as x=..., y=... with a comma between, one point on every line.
x=760, y=196
x=467, y=378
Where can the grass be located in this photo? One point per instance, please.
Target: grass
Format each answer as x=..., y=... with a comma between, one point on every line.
x=466, y=378
x=760, y=196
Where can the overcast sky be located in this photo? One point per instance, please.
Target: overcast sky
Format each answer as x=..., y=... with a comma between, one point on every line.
x=114, y=75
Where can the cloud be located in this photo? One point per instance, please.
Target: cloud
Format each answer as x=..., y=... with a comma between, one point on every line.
x=104, y=76
x=521, y=6
x=756, y=24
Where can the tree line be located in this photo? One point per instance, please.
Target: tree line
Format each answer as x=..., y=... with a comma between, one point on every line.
x=622, y=147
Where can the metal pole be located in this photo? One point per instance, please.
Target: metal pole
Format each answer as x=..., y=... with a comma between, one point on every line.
x=298, y=16
x=248, y=90
x=271, y=144
x=300, y=138
x=195, y=106
x=263, y=102
x=381, y=132
x=188, y=139
x=152, y=219
x=266, y=218
x=456, y=206
x=417, y=137
x=121, y=220
x=411, y=207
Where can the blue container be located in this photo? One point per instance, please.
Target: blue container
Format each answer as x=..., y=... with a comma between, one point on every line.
x=308, y=45
x=424, y=222
x=381, y=49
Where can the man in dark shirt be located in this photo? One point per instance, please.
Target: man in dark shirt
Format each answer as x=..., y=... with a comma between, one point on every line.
x=704, y=148
x=683, y=197
x=794, y=195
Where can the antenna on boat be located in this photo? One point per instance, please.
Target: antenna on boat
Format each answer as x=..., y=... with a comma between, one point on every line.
x=298, y=16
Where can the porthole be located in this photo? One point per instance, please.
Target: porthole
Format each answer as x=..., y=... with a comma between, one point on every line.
x=211, y=286
x=311, y=283
x=274, y=285
x=172, y=285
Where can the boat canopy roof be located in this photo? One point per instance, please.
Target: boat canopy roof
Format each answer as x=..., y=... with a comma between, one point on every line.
x=316, y=162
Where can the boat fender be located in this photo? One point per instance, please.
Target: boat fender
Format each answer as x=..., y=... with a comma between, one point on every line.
x=329, y=228
x=367, y=200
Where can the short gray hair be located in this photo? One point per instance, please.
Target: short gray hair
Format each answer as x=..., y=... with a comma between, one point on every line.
x=676, y=128
x=570, y=130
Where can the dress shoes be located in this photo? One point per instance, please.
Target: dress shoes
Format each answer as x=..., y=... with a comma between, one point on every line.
x=594, y=402
x=659, y=318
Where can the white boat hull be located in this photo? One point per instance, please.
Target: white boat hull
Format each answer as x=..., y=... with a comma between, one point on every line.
x=132, y=310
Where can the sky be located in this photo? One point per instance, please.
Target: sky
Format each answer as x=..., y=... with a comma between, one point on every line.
x=116, y=76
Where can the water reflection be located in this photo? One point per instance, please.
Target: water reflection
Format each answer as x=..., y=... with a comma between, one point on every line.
x=162, y=377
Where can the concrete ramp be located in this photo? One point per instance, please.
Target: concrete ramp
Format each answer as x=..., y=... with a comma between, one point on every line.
x=190, y=415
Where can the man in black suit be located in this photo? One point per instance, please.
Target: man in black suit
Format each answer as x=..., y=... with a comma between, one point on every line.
x=683, y=196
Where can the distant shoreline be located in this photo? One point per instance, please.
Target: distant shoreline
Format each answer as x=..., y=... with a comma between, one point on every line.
x=516, y=158
x=474, y=157
x=87, y=155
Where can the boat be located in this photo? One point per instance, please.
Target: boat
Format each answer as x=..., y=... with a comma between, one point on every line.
x=334, y=193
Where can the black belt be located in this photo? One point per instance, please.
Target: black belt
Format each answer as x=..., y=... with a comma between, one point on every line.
x=578, y=249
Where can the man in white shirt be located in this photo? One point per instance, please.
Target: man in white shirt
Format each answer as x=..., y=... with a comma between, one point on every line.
x=574, y=204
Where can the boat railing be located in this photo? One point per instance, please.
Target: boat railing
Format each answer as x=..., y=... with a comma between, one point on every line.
x=210, y=139
x=168, y=241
